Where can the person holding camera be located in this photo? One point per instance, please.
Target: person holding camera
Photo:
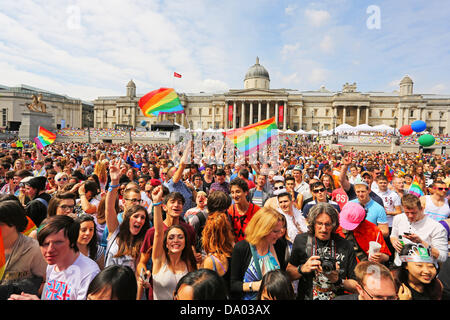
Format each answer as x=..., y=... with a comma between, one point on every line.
x=323, y=261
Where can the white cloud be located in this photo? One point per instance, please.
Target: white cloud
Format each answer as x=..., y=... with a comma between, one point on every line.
x=439, y=88
x=290, y=9
x=318, y=75
x=327, y=44
x=289, y=49
x=317, y=18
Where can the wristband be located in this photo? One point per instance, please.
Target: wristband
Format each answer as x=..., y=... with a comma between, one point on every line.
x=157, y=204
x=299, y=269
x=82, y=194
x=114, y=186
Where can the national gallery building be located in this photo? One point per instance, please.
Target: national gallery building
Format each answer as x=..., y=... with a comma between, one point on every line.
x=319, y=110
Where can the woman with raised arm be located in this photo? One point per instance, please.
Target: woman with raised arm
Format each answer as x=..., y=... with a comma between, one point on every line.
x=172, y=253
x=124, y=239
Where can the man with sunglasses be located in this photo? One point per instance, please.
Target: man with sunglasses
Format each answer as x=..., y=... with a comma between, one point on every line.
x=319, y=195
x=436, y=205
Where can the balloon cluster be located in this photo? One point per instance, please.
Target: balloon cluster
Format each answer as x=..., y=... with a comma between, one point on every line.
x=425, y=140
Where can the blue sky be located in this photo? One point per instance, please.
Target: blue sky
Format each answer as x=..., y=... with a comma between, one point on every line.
x=87, y=49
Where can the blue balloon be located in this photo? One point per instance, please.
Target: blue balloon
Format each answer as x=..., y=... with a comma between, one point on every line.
x=418, y=126
x=143, y=123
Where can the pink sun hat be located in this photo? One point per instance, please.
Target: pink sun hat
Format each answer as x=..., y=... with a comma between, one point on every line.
x=352, y=214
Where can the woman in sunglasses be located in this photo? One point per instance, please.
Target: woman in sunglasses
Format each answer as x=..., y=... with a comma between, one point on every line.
x=61, y=179
x=436, y=205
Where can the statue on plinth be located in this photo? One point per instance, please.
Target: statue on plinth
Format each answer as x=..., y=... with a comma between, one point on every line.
x=37, y=105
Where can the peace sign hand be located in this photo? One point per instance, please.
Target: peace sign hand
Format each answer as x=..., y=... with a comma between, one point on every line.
x=114, y=171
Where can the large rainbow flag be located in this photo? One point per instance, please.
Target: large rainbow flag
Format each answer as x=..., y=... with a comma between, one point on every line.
x=160, y=101
x=44, y=138
x=415, y=188
x=251, y=138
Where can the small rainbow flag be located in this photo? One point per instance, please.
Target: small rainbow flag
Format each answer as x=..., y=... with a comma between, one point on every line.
x=251, y=138
x=415, y=188
x=160, y=101
x=2, y=256
x=389, y=173
x=44, y=138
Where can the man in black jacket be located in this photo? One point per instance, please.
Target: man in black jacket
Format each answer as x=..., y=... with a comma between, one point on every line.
x=322, y=260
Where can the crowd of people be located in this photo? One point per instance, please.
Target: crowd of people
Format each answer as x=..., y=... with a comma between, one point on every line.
x=135, y=222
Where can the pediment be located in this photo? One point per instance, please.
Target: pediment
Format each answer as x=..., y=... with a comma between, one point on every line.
x=253, y=92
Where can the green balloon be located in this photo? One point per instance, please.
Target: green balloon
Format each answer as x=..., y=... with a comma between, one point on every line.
x=426, y=140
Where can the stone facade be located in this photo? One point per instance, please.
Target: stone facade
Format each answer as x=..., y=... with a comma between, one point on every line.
x=75, y=113
x=319, y=110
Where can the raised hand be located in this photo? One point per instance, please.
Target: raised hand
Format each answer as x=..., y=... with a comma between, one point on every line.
x=114, y=171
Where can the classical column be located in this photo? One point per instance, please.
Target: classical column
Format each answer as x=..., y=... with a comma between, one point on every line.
x=225, y=115
x=300, y=118
x=234, y=114
x=251, y=114
x=259, y=111
x=358, y=111
x=276, y=112
x=367, y=114
x=268, y=109
x=214, y=117
x=243, y=114
x=183, y=119
x=284, y=114
x=344, y=115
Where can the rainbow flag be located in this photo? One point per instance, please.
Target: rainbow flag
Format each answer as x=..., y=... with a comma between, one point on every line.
x=2, y=256
x=30, y=227
x=415, y=188
x=160, y=101
x=251, y=138
x=389, y=173
x=44, y=138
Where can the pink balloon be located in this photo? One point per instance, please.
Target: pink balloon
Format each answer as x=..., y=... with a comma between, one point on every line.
x=406, y=130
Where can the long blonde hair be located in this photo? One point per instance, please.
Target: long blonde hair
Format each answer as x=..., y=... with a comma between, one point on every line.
x=262, y=224
x=100, y=170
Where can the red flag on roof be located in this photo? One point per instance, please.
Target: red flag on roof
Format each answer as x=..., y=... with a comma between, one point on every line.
x=177, y=75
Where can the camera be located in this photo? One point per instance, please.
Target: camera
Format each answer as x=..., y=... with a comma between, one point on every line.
x=328, y=263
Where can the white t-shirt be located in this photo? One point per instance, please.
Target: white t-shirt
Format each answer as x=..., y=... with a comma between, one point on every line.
x=111, y=250
x=390, y=200
x=429, y=230
x=72, y=283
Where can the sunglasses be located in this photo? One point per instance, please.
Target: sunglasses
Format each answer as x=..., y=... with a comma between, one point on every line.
x=278, y=188
x=442, y=189
x=62, y=179
x=319, y=190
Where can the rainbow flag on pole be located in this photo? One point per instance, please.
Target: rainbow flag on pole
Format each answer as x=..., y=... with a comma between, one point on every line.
x=415, y=188
x=44, y=138
x=389, y=173
x=160, y=101
x=251, y=138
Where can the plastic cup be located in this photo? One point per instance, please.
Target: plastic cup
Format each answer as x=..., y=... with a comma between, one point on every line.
x=374, y=247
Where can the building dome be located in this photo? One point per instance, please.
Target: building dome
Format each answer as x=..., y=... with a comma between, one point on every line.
x=257, y=77
x=131, y=89
x=257, y=71
x=406, y=86
x=131, y=84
